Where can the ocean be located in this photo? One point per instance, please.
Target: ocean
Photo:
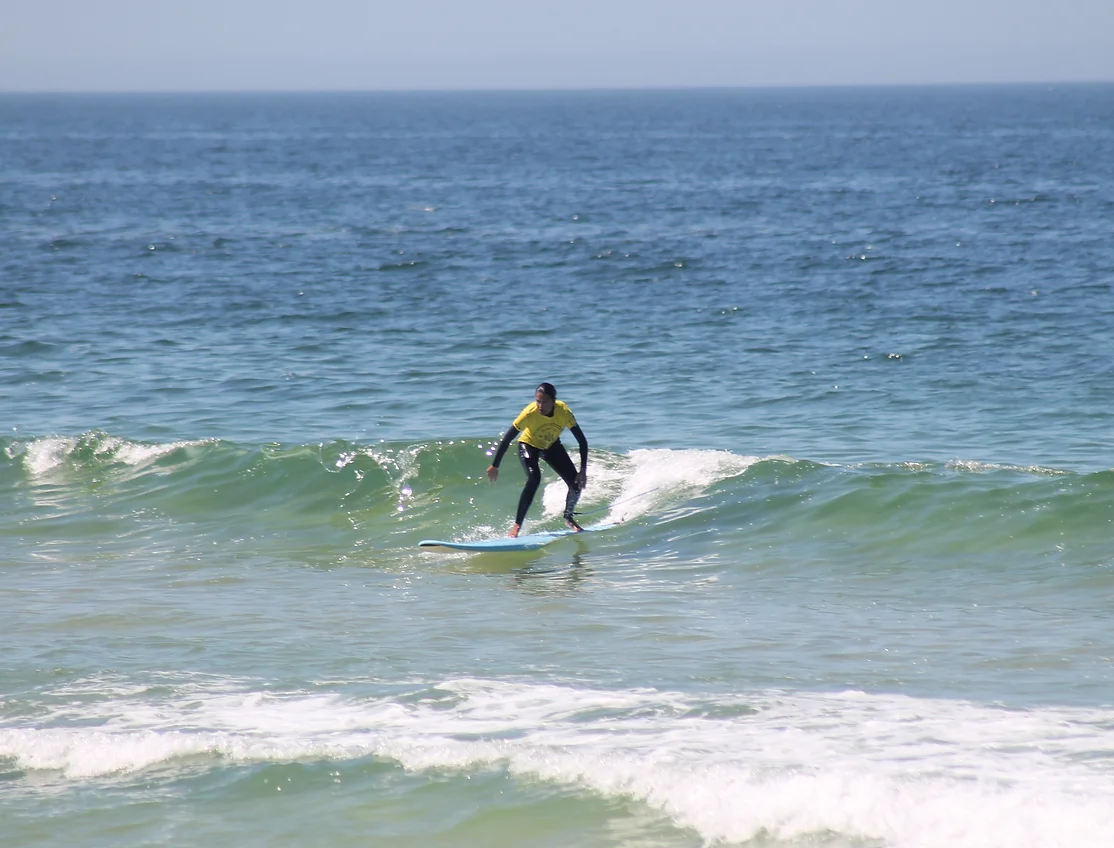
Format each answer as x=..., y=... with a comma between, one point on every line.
x=845, y=362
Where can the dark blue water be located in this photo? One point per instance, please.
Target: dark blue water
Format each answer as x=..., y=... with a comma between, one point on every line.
x=891, y=273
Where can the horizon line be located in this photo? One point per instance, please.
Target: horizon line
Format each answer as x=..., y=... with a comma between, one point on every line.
x=560, y=89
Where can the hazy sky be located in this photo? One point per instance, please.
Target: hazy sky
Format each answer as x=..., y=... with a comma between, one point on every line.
x=114, y=45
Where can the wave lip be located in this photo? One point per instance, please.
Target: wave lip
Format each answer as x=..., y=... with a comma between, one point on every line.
x=42, y=456
x=645, y=481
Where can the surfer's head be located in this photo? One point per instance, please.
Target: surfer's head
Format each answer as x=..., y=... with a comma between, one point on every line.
x=546, y=397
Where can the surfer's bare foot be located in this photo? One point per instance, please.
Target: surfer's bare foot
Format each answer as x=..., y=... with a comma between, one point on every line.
x=572, y=525
x=514, y=531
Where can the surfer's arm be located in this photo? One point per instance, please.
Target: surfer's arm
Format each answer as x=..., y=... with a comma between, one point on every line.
x=581, y=440
x=508, y=437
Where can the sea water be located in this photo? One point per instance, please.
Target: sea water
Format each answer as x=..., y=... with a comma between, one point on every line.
x=844, y=359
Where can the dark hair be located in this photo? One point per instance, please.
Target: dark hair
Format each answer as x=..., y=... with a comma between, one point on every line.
x=547, y=390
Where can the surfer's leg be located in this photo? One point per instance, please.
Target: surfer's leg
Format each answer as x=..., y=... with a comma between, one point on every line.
x=558, y=459
x=528, y=456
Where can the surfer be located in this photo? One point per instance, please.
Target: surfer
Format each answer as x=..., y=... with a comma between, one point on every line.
x=539, y=428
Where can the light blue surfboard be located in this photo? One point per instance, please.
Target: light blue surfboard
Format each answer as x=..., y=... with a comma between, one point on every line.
x=531, y=542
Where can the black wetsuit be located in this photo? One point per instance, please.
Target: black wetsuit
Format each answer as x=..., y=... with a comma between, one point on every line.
x=556, y=457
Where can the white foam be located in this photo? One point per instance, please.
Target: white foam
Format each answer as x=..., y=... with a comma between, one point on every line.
x=135, y=454
x=976, y=466
x=644, y=480
x=913, y=773
x=44, y=456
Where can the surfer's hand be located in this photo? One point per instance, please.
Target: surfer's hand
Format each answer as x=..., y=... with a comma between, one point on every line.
x=582, y=479
x=492, y=473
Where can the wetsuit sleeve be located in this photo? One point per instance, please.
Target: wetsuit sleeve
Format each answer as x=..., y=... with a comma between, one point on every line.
x=508, y=437
x=581, y=440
